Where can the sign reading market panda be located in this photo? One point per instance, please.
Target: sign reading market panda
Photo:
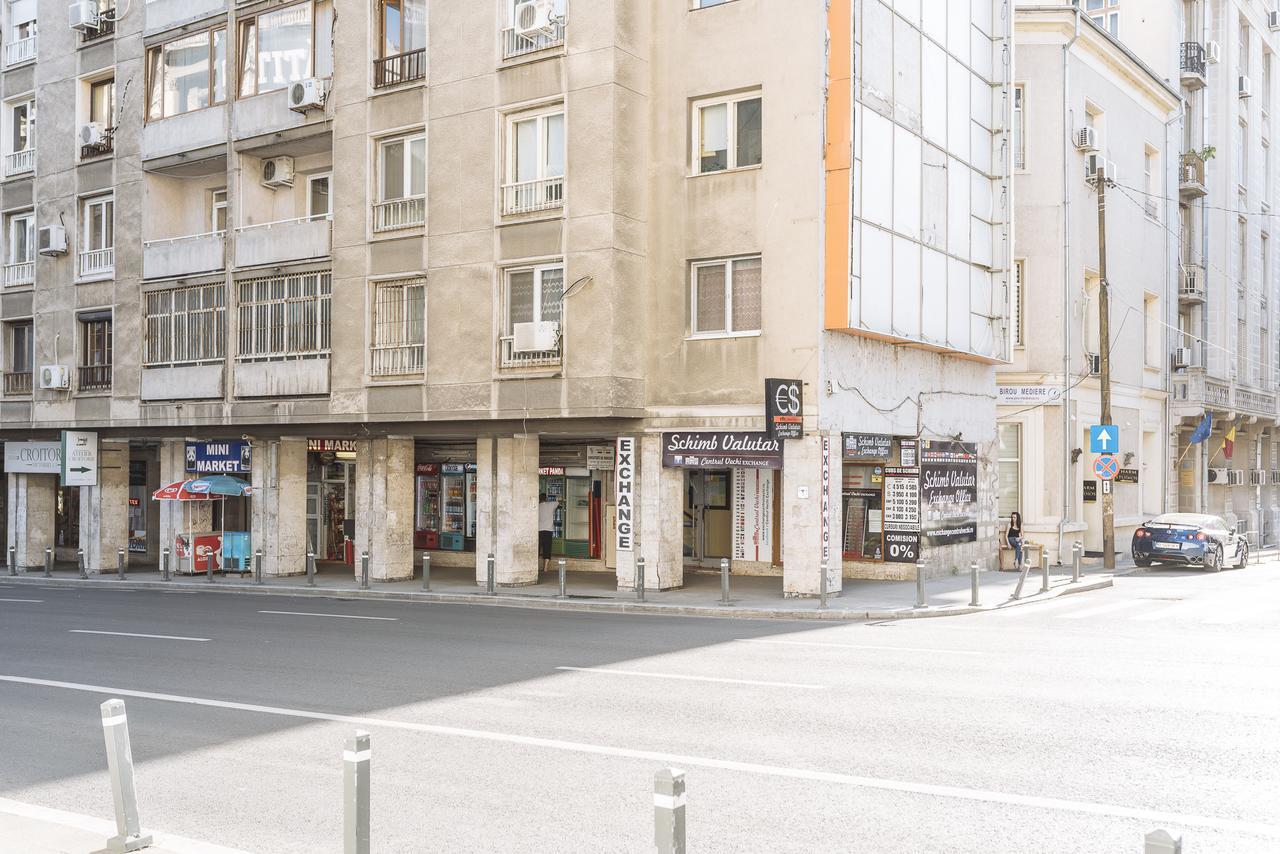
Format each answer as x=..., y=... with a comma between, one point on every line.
x=948, y=492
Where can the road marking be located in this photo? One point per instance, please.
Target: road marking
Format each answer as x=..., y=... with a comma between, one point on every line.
x=37, y=601
x=103, y=827
x=1259, y=608
x=1101, y=609
x=858, y=646
x=651, y=675
x=1030, y=609
x=136, y=635
x=1177, y=609
x=339, y=616
x=680, y=760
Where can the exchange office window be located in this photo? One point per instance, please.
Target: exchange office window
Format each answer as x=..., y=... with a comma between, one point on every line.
x=863, y=512
x=725, y=298
x=1009, y=468
x=728, y=133
x=187, y=74
x=185, y=326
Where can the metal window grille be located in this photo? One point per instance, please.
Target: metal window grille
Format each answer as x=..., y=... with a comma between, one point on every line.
x=285, y=317
x=95, y=355
x=399, y=328
x=185, y=326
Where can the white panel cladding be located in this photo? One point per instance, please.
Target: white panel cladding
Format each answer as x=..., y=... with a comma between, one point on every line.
x=275, y=243
x=267, y=113
x=192, y=382
x=282, y=378
x=162, y=259
x=186, y=132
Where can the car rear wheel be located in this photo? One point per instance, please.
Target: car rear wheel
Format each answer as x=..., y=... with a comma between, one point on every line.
x=1243, y=558
x=1142, y=561
x=1213, y=557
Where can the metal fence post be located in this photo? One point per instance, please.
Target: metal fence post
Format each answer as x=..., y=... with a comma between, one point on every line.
x=1044, y=572
x=115, y=730
x=164, y=564
x=490, y=582
x=1161, y=842
x=560, y=565
x=640, y=579
x=1022, y=577
x=120, y=564
x=84, y=573
x=1076, y=553
x=724, y=581
x=822, y=587
x=208, y=563
x=973, y=584
x=257, y=565
x=48, y=563
x=311, y=569
x=668, y=811
x=364, y=570
x=921, y=602
x=13, y=561
x=355, y=794
x=426, y=571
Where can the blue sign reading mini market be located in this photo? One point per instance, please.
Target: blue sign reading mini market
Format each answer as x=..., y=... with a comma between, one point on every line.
x=218, y=457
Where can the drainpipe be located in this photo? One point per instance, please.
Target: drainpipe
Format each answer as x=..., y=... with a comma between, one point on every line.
x=1170, y=315
x=1067, y=312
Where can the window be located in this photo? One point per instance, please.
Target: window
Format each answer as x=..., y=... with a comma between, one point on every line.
x=277, y=47
x=20, y=136
x=1105, y=14
x=402, y=42
x=102, y=102
x=1151, y=182
x=726, y=296
x=187, y=74
x=727, y=133
x=532, y=295
x=1151, y=330
x=319, y=205
x=19, y=356
x=20, y=35
x=1009, y=468
x=535, y=163
x=285, y=317
x=1266, y=86
x=1242, y=351
x=95, y=351
x=1019, y=129
x=218, y=209
x=1242, y=155
x=20, y=249
x=399, y=328
x=402, y=183
x=1264, y=346
x=1015, y=304
x=1242, y=254
x=97, y=247
x=185, y=326
x=1243, y=44
x=1091, y=336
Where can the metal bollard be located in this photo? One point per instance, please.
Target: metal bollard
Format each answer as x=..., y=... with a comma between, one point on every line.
x=311, y=569
x=921, y=602
x=1161, y=842
x=364, y=570
x=257, y=565
x=208, y=563
x=724, y=581
x=48, y=563
x=490, y=584
x=426, y=572
x=973, y=584
x=355, y=794
x=560, y=565
x=115, y=730
x=120, y=564
x=1044, y=572
x=1022, y=577
x=164, y=564
x=639, y=579
x=822, y=587
x=13, y=561
x=80, y=563
x=1077, y=551
x=668, y=811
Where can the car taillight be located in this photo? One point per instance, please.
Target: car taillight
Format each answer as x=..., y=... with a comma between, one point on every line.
x=1141, y=532
x=1200, y=537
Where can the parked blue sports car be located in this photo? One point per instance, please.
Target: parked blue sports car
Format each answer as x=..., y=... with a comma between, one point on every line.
x=1191, y=539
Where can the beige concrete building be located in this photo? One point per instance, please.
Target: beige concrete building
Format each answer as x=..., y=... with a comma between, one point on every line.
x=412, y=267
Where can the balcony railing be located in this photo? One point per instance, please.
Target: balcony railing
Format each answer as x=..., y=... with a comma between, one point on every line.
x=97, y=149
x=392, y=361
x=400, y=213
x=1191, y=289
x=526, y=359
x=514, y=44
x=17, y=382
x=19, y=162
x=106, y=26
x=1191, y=175
x=401, y=68
x=1192, y=60
x=22, y=50
x=94, y=378
x=96, y=262
x=529, y=196
x=21, y=273
x=294, y=239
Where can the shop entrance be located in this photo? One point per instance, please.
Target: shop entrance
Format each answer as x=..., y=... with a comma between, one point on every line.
x=708, y=523
x=330, y=503
x=863, y=512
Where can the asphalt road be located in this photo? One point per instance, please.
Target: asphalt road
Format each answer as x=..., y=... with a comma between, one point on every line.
x=1074, y=725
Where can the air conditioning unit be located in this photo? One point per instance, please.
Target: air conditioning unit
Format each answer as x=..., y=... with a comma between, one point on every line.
x=1257, y=477
x=1273, y=20
x=1094, y=361
x=92, y=134
x=1212, y=52
x=82, y=15
x=1244, y=88
x=1218, y=476
x=55, y=376
x=536, y=337
x=535, y=18
x=1235, y=477
x=1094, y=162
x=51, y=240
x=1181, y=358
x=1087, y=139
x=277, y=172
x=306, y=95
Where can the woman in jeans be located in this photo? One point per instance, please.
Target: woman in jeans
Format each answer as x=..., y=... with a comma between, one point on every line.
x=1015, y=536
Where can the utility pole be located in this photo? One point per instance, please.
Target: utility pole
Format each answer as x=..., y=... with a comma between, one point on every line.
x=1104, y=358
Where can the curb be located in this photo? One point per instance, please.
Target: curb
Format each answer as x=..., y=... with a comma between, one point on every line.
x=545, y=603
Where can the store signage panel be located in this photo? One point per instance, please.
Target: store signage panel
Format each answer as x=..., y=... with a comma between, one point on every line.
x=624, y=493
x=721, y=451
x=1127, y=476
x=901, y=514
x=826, y=499
x=79, y=458
x=219, y=457
x=33, y=457
x=1021, y=395
x=464, y=468
x=1090, y=490
x=347, y=446
x=554, y=471
x=753, y=516
x=783, y=408
x=867, y=446
x=949, y=492
x=908, y=452
x=600, y=457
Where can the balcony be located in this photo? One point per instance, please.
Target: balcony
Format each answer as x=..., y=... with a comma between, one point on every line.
x=184, y=256
x=532, y=196
x=17, y=382
x=269, y=113
x=97, y=262
x=184, y=133
x=19, y=162
x=21, y=273
x=395, y=360
x=1192, y=63
x=279, y=242
x=182, y=382
x=1191, y=177
x=515, y=45
x=1196, y=392
x=401, y=68
x=22, y=50
x=510, y=358
x=1191, y=287
x=94, y=378
x=106, y=26
x=399, y=213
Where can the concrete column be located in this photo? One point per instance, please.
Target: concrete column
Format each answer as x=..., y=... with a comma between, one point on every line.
x=104, y=509
x=384, y=507
x=802, y=516
x=485, y=493
x=32, y=511
x=279, y=525
x=660, y=528
x=516, y=522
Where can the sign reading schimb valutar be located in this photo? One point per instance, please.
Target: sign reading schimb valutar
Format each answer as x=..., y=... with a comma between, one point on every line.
x=730, y=450
x=624, y=490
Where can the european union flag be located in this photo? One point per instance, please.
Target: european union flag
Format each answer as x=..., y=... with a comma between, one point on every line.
x=1203, y=431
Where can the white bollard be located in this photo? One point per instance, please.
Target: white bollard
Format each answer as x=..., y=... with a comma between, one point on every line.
x=355, y=794
x=1160, y=842
x=115, y=729
x=668, y=811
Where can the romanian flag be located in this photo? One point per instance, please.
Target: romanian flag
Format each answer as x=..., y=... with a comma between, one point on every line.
x=1229, y=443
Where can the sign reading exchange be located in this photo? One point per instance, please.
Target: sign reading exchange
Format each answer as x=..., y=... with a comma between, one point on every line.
x=721, y=451
x=949, y=492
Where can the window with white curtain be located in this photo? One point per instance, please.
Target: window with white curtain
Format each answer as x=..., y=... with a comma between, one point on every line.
x=725, y=296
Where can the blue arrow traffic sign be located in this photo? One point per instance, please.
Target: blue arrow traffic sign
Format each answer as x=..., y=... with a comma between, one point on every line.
x=1104, y=439
x=1106, y=467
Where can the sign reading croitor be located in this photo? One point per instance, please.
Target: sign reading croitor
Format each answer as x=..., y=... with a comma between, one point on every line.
x=783, y=408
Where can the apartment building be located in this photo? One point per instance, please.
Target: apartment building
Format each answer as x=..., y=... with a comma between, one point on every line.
x=413, y=268
x=1084, y=101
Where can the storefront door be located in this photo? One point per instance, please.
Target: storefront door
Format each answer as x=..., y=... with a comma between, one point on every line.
x=708, y=523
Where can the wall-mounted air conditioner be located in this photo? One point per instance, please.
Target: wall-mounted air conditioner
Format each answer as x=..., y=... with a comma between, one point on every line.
x=82, y=15
x=306, y=95
x=55, y=376
x=1181, y=358
x=1212, y=52
x=277, y=172
x=93, y=133
x=1094, y=363
x=1273, y=20
x=51, y=240
x=535, y=18
x=1244, y=88
x=1218, y=476
x=1087, y=139
x=536, y=337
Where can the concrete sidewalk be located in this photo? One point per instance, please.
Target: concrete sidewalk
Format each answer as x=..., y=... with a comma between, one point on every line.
x=750, y=596
x=29, y=829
